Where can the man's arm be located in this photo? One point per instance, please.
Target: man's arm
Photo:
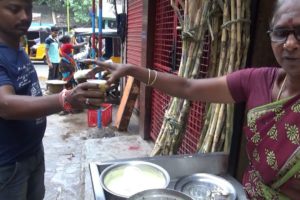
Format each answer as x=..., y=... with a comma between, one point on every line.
x=47, y=57
x=14, y=106
x=79, y=45
x=48, y=43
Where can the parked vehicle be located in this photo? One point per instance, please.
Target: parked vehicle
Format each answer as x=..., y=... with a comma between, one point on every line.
x=111, y=43
x=36, y=47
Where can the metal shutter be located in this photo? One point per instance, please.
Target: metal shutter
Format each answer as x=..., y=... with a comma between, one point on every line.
x=134, y=34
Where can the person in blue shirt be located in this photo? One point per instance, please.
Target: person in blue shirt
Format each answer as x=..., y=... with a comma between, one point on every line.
x=23, y=109
x=52, y=54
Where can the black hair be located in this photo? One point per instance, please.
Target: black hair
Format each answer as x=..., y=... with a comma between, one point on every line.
x=277, y=5
x=65, y=39
x=54, y=28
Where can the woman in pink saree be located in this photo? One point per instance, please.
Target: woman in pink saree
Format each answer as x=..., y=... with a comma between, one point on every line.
x=273, y=148
x=272, y=97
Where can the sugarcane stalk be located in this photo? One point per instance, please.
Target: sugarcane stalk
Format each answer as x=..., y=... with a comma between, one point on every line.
x=176, y=9
x=214, y=46
x=228, y=128
x=223, y=40
x=205, y=126
x=195, y=46
x=208, y=139
x=185, y=43
x=195, y=10
x=247, y=31
x=222, y=139
x=232, y=38
x=199, y=53
x=239, y=34
x=176, y=141
x=220, y=121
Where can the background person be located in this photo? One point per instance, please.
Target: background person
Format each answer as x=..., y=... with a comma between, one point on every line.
x=52, y=54
x=75, y=40
x=67, y=65
x=272, y=97
x=93, y=53
x=23, y=109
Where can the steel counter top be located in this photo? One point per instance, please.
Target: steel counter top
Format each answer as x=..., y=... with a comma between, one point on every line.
x=177, y=166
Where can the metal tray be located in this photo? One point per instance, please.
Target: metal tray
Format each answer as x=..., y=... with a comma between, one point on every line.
x=177, y=166
x=206, y=186
x=159, y=194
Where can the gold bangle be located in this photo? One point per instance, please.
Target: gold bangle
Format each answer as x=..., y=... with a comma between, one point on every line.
x=149, y=73
x=155, y=77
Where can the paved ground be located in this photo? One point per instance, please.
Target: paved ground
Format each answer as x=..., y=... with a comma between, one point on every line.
x=70, y=145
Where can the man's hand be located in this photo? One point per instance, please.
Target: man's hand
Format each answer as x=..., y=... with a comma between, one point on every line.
x=49, y=63
x=87, y=95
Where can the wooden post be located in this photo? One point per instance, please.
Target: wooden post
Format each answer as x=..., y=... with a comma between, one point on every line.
x=127, y=103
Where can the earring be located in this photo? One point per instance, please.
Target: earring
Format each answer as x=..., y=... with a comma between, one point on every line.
x=284, y=45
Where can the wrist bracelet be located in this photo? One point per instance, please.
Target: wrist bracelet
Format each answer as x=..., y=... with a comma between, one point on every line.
x=66, y=106
x=149, y=73
x=155, y=77
x=149, y=82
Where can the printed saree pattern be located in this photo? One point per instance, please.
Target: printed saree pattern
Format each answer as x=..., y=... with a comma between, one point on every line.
x=273, y=148
x=67, y=67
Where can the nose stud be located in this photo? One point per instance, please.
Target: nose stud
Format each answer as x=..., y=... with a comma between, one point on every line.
x=284, y=45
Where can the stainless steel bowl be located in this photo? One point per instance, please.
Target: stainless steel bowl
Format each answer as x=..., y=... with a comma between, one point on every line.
x=160, y=194
x=124, y=179
x=206, y=186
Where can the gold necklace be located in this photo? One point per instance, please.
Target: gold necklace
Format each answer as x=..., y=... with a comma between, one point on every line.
x=281, y=89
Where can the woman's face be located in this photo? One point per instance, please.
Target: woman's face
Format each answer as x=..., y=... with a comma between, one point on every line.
x=286, y=26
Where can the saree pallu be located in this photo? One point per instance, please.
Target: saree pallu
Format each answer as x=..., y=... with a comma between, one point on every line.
x=273, y=148
x=67, y=68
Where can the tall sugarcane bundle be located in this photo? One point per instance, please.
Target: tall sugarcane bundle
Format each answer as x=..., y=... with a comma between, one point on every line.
x=235, y=29
x=228, y=23
x=194, y=26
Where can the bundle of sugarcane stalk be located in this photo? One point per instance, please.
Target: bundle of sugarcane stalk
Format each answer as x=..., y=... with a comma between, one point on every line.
x=194, y=26
x=229, y=53
x=200, y=16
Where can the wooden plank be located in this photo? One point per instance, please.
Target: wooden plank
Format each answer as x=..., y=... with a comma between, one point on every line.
x=127, y=103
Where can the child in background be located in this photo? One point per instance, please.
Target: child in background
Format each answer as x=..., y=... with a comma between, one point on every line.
x=67, y=64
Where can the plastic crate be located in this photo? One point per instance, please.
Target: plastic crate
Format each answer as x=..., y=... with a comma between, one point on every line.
x=92, y=118
x=106, y=116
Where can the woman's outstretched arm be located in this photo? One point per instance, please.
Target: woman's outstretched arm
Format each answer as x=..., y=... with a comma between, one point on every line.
x=206, y=90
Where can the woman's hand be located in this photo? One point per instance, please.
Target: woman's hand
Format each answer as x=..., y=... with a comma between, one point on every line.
x=117, y=70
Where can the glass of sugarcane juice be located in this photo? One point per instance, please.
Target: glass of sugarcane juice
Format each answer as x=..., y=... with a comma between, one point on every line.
x=101, y=83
